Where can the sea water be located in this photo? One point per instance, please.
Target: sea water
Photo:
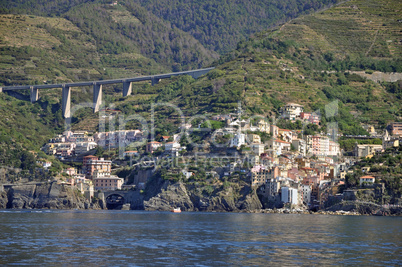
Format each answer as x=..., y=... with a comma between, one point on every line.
x=141, y=238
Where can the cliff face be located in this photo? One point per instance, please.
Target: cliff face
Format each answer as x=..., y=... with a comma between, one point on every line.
x=43, y=196
x=165, y=195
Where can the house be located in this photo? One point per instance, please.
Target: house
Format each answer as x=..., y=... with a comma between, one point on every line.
x=274, y=131
x=254, y=139
x=300, y=146
x=152, y=146
x=111, y=182
x=238, y=140
x=317, y=144
x=310, y=117
x=334, y=149
x=278, y=146
x=130, y=154
x=83, y=147
x=366, y=150
x=367, y=179
x=257, y=148
x=291, y=111
x=396, y=128
x=306, y=193
x=71, y=171
x=173, y=148
x=263, y=126
x=164, y=138
x=286, y=135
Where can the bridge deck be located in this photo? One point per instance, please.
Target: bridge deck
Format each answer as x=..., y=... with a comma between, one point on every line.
x=197, y=73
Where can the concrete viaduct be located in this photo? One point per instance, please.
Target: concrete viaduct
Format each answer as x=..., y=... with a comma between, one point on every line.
x=97, y=87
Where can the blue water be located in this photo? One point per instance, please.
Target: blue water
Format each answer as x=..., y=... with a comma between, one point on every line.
x=139, y=238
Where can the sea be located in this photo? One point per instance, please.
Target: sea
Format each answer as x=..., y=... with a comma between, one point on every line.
x=145, y=238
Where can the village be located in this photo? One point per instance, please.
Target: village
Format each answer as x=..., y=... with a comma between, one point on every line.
x=285, y=167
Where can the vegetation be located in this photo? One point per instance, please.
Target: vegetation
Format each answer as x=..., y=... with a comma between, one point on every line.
x=306, y=60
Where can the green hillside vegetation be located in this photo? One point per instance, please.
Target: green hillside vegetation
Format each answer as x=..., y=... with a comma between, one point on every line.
x=93, y=41
x=220, y=25
x=24, y=128
x=297, y=62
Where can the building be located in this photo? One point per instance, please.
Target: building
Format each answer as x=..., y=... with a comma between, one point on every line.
x=83, y=147
x=263, y=126
x=366, y=150
x=270, y=188
x=367, y=179
x=289, y=195
x=287, y=135
x=310, y=117
x=238, y=140
x=300, y=146
x=257, y=149
x=274, y=131
x=306, y=194
x=396, y=128
x=278, y=146
x=152, y=146
x=317, y=145
x=334, y=149
x=111, y=182
x=260, y=174
x=173, y=148
x=388, y=141
x=92, y=164
x=291, y=111
x=253, y=138
x=130, y=154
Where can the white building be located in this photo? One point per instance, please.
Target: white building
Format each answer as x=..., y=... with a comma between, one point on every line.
x=291, y=111
x=238, y=140
x=257, y=149
x=289, y=195
x=84, y=147
x=300, y=145
x=367, y=179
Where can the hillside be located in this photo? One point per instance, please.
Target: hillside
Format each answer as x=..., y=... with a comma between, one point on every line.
x=107, y=42
x=296, y=62
x=308, y=66
x=220, y=25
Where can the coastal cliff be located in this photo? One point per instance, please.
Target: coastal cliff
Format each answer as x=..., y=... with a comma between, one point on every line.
x=43, y=196
x=164, y=195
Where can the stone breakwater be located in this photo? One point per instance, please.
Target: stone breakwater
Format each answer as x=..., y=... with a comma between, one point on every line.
x=299, y=211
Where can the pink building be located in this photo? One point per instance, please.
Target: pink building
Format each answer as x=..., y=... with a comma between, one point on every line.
x=111, y=182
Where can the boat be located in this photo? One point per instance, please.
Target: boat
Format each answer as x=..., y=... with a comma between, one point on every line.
x=176, y=210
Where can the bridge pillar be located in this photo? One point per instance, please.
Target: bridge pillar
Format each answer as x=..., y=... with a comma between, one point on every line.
x=66, y=101
x=97, y=98
x=127, y=88
x=154, y=81
x=34, y=94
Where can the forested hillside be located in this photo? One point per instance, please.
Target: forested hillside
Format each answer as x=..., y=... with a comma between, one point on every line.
x=220, y=25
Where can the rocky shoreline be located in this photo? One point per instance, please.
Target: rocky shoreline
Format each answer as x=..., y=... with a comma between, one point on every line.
x=165, y=196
